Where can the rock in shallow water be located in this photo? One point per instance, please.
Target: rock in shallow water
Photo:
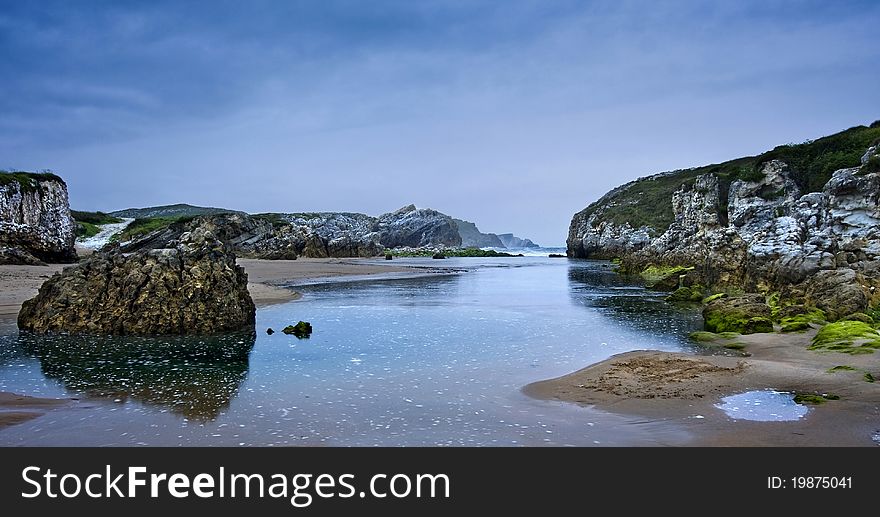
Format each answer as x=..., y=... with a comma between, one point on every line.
x=193, y=288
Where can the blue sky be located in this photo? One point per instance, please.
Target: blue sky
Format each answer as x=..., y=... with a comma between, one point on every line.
x=511, y=114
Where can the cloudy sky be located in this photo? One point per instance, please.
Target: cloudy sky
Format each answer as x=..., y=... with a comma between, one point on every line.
x=512, y=114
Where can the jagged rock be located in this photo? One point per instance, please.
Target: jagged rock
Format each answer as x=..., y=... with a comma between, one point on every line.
x=194, y=287
x=746, y=314
x=416, y=227
x=19, y=256
x=472, y=237
x=838, y=292
x=760, y=234
x=316, y=235
x=35, y=217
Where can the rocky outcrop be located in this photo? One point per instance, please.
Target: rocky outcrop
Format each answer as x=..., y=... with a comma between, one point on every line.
x=511, y=241
x=316, y=235
x=35, y=218
x=472, y=237
x=760, y=232
x=416, y=227
x=747, y=314
x=194, y=287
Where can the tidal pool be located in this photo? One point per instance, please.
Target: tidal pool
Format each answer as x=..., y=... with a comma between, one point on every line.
x=763, y=406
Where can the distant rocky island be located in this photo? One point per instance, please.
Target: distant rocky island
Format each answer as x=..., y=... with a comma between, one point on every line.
x=799, y=224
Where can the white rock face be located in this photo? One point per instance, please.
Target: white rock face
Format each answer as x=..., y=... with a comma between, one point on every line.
x=770, y=234
x=36, y=218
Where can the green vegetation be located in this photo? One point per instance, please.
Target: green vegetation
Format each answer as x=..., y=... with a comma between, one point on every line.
x=28, y=181
x=802, y=321
x=705, y=337
x=86, y=230
x=276, y=220
x=647, y=201
x=797, y=326
x=860, y=316
x=712, y=298
x=140, y=227
x=873, y=165
x=814, y=398
x=687, y=294
x=460, y=252
x=844, y=336
x=841, y=368
x=301, y=330
x=868, y=377
x=665, y=276
x=735, y=346
x=98, y=218
x=736, y=321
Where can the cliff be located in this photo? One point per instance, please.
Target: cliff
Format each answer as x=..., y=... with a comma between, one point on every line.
x=790, y=219
x=35, y=221
x=472, y=237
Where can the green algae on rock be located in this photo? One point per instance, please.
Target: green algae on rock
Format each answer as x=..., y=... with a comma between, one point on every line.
x=849, y=337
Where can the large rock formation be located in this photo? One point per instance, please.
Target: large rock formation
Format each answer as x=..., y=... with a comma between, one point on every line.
x=194, y=287
x=317, y=235
x=35, y=221
x=416, y=227
x=472, y=237
x=760, y=230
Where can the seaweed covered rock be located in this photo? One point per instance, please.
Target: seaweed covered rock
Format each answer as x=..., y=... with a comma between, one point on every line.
x=748, y=314
x=194, y=287
x=302, y=329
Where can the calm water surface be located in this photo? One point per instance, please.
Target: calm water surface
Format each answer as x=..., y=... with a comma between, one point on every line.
x=427, y=361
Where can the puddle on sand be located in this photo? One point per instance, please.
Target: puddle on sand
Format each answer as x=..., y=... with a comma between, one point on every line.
x=763, y=406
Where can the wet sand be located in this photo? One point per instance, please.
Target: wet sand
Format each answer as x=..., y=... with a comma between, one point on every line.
x=682, y=390
x=15, y=409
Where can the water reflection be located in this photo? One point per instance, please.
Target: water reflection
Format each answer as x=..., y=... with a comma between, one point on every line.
x=595, y=285
x=195, y=377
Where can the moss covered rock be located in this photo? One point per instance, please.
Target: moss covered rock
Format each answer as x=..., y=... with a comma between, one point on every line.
x=686, y=294
x=796, y=326
x=849, y=337
x=664, y=278
x=859, y=316
x=303, y=329
x=748, y=314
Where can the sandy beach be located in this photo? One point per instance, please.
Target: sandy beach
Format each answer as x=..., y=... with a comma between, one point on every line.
x=267, y=278
x=15, y=409
x=683, y=389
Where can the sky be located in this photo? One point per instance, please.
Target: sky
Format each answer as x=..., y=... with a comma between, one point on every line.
x=514, y=115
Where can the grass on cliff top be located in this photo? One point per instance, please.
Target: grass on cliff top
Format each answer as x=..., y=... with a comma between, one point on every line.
x=94, y=217
x=29, y=181
x=86, y=230
x=849, y=337
x=648, y=201
x=141, y=227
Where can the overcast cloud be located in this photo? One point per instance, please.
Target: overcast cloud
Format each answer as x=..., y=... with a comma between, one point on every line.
x=511, y=114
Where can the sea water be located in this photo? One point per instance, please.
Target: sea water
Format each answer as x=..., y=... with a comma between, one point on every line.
x=420, y=361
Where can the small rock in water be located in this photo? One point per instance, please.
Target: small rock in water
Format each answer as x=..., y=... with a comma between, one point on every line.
x=438, y=255
x=556, y=255
x=302, y=330
x=388, y=256
x=270, y=331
